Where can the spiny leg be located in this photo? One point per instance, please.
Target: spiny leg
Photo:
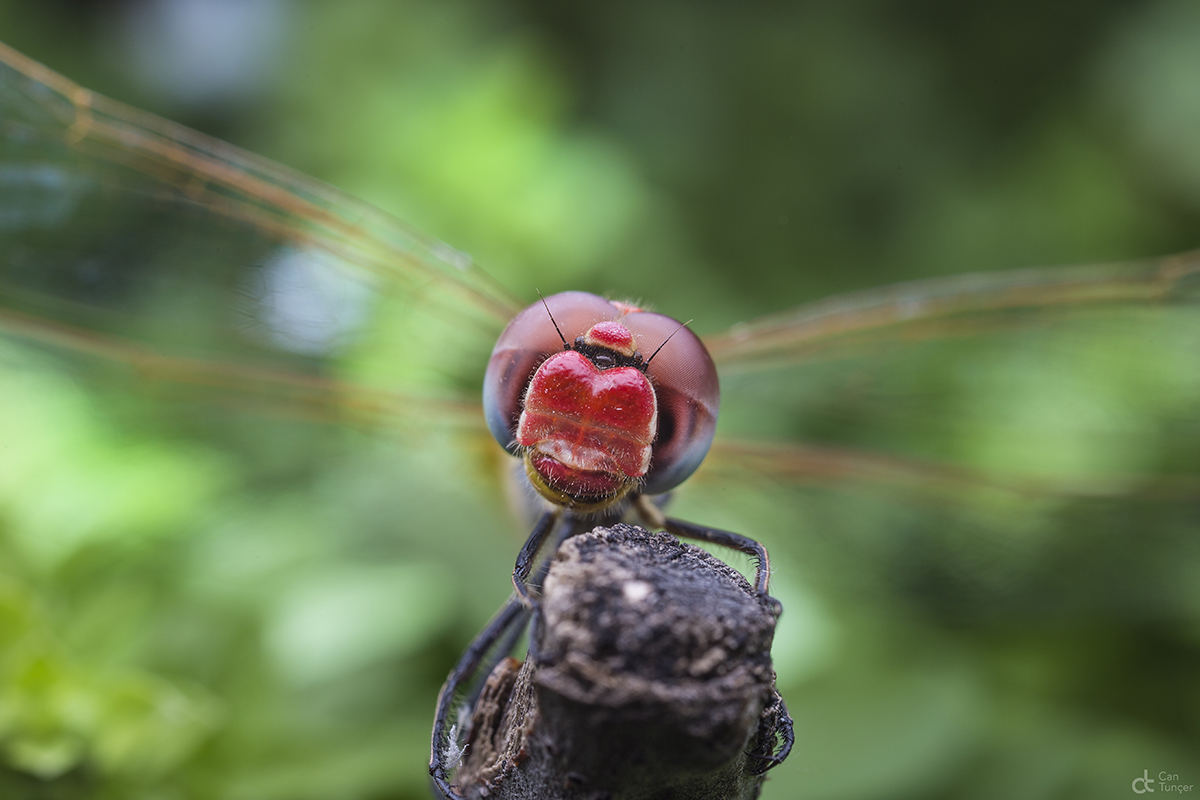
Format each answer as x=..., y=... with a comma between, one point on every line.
x=496, y=639
x=780, y=722
x=525, y=559
x=779, y=716
x=569, y=524
x=735, y=541
x=506, y=625
x=502, y=649
x=654, y=517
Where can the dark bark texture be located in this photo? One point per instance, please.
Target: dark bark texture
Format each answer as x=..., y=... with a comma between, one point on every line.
x=650, y=679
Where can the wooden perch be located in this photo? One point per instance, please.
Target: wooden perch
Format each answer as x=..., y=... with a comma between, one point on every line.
x=650, y=677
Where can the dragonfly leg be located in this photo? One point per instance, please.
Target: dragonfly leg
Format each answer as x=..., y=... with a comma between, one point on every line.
x=690, y=530
x=505, y=627
x=493, y=643
x=525, y=559
x=569, y=525
x=735, y=541
x=779, y=722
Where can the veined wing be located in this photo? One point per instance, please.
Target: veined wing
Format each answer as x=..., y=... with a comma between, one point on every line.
x=1019, y=448
x=1072, y=380
x=122, y=231
x=947, y=307
x=1040, y=408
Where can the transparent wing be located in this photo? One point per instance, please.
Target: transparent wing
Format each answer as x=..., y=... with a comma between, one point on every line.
x=1015, y=440
x=995, y=401
x=149, y=245
x=174, y=314
x=948, y=307
x=1016, y=379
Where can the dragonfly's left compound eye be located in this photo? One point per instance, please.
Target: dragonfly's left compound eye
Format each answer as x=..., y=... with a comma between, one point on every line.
x=570, y=409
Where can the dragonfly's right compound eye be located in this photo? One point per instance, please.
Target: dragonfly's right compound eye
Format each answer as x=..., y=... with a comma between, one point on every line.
x=530, y=374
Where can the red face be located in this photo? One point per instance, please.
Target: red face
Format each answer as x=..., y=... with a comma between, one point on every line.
x=595, y=421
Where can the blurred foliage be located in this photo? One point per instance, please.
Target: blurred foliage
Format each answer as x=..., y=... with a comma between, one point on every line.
x=201, y=603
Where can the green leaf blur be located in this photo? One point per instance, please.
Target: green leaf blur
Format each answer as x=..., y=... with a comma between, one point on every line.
x=201, y=603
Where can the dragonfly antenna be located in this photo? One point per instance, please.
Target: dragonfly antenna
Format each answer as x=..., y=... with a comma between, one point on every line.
x=555, y=324
x=664, y=344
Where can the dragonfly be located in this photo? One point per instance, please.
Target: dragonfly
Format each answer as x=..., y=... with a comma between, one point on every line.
x=121, y=231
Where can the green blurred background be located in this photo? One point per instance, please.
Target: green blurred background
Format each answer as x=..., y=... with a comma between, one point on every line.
x=204, y=605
